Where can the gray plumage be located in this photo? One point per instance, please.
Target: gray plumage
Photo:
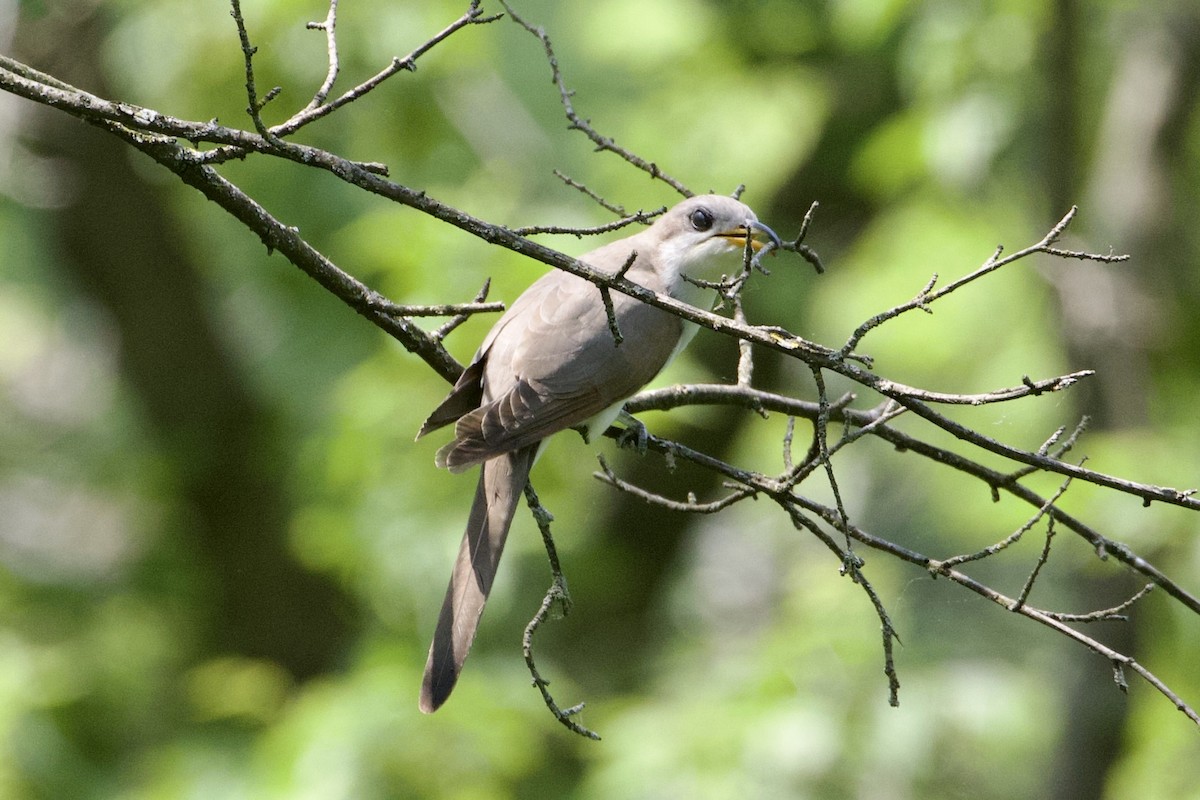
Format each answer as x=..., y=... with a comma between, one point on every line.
x=551, y=362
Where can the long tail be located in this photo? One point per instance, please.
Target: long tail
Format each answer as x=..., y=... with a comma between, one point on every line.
x=501, y=483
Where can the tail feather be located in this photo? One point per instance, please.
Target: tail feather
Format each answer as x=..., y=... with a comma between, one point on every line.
x=501, y=483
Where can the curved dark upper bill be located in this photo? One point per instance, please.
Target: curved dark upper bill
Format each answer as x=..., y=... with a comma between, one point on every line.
x=742, y=233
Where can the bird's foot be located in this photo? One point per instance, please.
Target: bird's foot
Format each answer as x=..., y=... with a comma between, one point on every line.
x=634, y=435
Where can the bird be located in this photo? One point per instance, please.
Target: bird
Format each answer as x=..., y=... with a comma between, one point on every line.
x=553, y=361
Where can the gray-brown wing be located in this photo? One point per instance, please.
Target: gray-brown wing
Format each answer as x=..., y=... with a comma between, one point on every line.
x=466, y=396
x=556, y=364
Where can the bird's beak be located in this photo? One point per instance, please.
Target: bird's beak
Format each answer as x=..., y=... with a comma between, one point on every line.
x=740, y=234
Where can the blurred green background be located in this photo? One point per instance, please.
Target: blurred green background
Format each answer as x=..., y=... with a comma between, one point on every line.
x=223, y=553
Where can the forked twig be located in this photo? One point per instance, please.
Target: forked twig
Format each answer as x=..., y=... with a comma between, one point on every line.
x=558, y=595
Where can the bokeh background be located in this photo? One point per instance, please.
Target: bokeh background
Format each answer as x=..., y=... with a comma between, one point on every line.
x=222, y=553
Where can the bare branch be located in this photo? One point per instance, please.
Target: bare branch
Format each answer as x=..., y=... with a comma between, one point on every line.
x=557, y=594
x=317, y=107
x=255, y=106
x=928, y=295
x=1037, y=567
x=329, y=25
x=690, y=506
x=830, y=516
x=852, y=565
x=584, y=126
x=797, y=245
x=712, y=394
x=463, y=310
x=1007, y=541
x=1116, y=613
x=615, y=208
x=472, y=16
x=640, y=217
x=822, y=448
x=606, y=297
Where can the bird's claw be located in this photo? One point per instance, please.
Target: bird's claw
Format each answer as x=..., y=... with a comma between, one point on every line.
x=634, y=435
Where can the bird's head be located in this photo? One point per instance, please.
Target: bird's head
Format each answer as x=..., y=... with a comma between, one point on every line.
x=704, y=236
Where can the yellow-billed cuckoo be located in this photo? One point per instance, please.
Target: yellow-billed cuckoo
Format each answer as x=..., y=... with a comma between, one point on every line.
x=552, y=362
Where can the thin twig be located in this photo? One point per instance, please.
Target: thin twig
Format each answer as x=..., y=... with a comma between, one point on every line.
x=476, y=306
x=797, y=245
x=558, y=595
x=822, y=446
x=472, y=16
x=1007, y=541
x=852, y=565
x=318, y=108
x=1116, y=613
x=788, y=435
x=606, y=298
x=615, y=208
x=691, y=506
x=1119, y=660
x=1058, y=452
x=745, y=363
x=872, y=421
x=254, y=106
x=1037, y=567
x=639, y=217
x=329, y=25
x=466, y=310
x=836, y=518
x=584, y=126
x=994, y=262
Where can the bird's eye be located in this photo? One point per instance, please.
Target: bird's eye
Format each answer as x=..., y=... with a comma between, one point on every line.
x=702, y=219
